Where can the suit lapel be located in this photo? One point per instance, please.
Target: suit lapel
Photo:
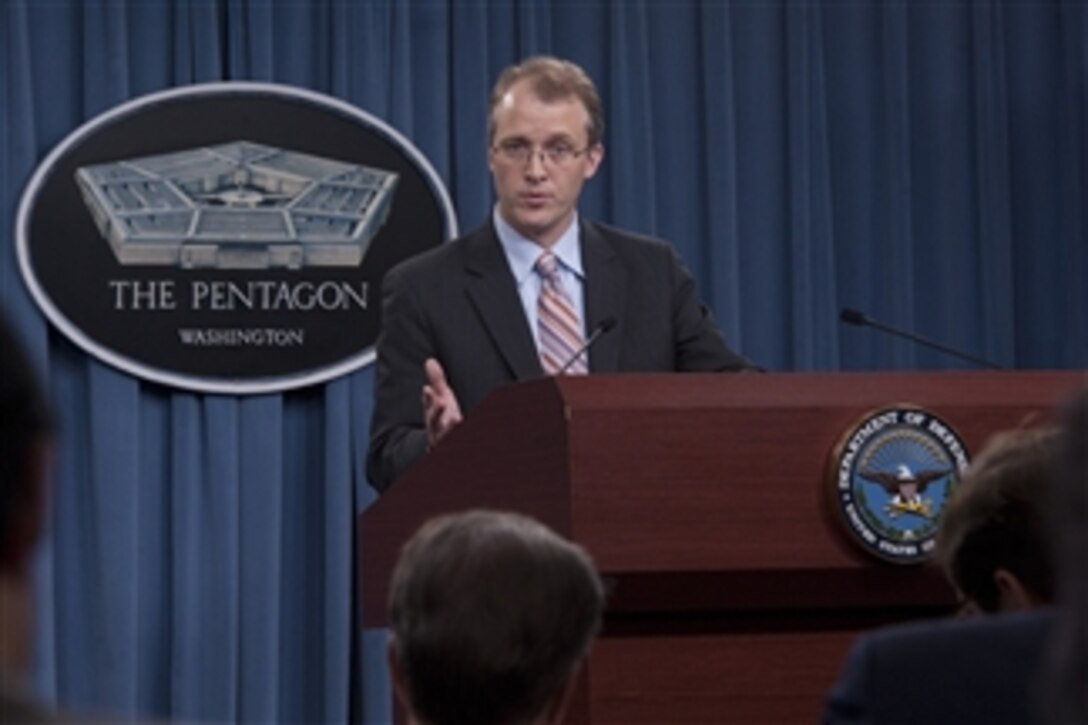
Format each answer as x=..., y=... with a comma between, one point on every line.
x=605, y=291
x=492, y=291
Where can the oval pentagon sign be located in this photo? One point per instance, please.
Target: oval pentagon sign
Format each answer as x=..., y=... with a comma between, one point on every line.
x=227, y=237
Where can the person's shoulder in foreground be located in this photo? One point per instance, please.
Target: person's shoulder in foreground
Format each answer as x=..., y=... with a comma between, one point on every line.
x=954, y=671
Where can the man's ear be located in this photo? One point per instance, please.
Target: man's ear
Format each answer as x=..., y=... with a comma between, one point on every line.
x=26, y=518
x=1012, y=595
x=594, y=157
x=557, y=706
x=400, y=686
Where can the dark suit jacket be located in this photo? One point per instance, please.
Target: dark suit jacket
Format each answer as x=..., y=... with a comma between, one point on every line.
x=459, y=304
x=955, y=671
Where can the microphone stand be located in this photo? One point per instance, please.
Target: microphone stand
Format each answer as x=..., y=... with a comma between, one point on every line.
x=602, y=327
x=854, y=317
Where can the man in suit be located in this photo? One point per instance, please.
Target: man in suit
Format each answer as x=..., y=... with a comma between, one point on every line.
x=25, y=447
x=492, y=615
x=516, y=298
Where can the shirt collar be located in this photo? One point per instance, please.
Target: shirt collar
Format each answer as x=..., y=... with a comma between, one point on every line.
x=523, y=252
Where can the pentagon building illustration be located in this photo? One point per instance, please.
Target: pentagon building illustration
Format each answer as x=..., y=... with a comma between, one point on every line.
x=239, y=205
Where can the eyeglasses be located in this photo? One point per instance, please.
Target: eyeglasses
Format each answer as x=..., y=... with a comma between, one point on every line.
x=520, y=152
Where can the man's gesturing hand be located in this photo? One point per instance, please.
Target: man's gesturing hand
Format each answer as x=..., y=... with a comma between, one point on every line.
x=441, y=411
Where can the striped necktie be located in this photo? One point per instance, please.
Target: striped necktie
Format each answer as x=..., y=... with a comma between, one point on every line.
x=558, y=329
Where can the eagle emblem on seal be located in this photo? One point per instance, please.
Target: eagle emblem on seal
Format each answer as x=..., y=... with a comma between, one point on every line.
x=906, y=488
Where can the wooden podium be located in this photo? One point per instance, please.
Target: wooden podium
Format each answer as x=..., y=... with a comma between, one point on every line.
x=703, y=501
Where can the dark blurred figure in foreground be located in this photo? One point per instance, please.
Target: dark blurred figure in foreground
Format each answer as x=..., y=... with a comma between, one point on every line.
x=492, y=615
x=1026, y=664
x=25, y=446
x=1064, y=688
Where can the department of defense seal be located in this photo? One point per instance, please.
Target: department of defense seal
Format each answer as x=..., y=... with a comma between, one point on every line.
x=890, y=477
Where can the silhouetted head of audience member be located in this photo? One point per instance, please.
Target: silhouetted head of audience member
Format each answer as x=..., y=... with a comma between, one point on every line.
x=492, y=615
x=25, y=444
x=993, y=542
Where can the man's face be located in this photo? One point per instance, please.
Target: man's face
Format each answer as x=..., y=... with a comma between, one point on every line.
x=538, y=195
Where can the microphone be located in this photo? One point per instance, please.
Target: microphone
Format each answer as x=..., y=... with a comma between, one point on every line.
x=855, y=317
x=602, y=327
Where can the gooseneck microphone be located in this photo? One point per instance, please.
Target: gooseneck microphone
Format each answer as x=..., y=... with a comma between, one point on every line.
x=855, y=317
x=602, y=327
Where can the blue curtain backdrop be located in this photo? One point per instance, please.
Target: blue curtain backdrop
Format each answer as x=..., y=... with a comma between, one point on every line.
x=925, y=162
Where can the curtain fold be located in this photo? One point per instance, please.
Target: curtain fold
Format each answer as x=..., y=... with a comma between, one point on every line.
x=923, y=162
x=993, y=243
x=715, y=73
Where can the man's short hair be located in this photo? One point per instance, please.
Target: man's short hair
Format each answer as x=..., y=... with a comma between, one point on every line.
x=996, y=518
x=24, y=420
x=552, y=79
x=491, y=615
